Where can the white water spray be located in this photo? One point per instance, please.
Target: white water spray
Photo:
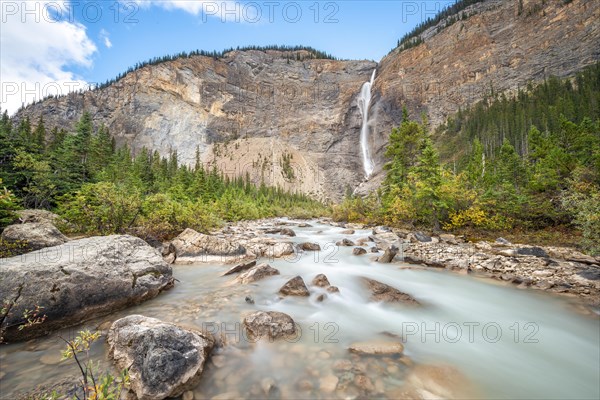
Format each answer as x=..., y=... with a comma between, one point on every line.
x=364, y=101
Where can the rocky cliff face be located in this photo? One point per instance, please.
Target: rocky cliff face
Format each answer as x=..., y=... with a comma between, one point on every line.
x=501, y=46
x=248, y=112
x=297, y=124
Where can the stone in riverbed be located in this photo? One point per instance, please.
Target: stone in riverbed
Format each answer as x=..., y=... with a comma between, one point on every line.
x=377, y=348
x=328, y=383
x=257, y=273
x=388, y=255
x=81, y=280
x=269, y=324
x=435, y=382
x=280, y=249
x=382, y=292
x=37, y=235
x=295, y=287
x=421, y=237
x=287, y=232
x=345, y=242
x=240, y=268
x=307, y=246
x=347, y=232
x=359, y=251
x=191, y=246
x=163, y=359
x=321, y=281
x=532, y=251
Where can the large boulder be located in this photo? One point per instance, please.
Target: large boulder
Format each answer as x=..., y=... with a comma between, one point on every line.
x=257, y=273
x=269, y=324
x=37, y=235
x=294, y=287
x=42, y=216
x=386, y=293
x=388, y=255
x=81, y=280
x=163, y=359
x=191, y=247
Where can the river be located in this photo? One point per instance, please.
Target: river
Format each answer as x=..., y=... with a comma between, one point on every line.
x=509, y=343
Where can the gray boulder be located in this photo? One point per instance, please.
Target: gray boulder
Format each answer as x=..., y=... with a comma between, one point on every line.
x=81, y=280
x=532, y=251
x=421, y=237
x=42, y=216
x=164, y=360
x=37, y=235
x=191, y=246
x=269, y=324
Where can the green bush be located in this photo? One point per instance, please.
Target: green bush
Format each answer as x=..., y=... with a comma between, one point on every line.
x=8, y=205
x=102, y=207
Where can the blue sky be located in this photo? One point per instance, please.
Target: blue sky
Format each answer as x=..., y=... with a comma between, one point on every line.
x=91, y=41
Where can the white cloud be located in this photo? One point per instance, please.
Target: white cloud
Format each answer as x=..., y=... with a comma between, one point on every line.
x=35, y=54
x=104, y=37
x=225, y=10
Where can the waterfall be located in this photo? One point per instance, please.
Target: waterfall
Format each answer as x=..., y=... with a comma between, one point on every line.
x=364, y=101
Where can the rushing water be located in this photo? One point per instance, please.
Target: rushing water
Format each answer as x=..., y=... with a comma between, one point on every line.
x=364, y=102
x=510, y=343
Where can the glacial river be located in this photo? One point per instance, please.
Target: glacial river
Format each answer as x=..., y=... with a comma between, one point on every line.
x=509, y=343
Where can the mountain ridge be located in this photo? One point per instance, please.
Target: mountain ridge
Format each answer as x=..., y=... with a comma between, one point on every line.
x=308, y=109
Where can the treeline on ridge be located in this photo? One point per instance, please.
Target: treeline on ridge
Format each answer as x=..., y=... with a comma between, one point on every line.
x=99, y=188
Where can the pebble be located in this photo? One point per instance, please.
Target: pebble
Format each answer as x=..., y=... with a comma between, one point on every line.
x=51, y=358
x=227, y=396
x=304, y=385
x=342, y=365
x=219, y=361
x=189, y=395
x=364, y=383
x=327, y=384
x=392, y=369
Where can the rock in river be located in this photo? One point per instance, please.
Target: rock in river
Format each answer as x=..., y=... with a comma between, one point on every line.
x=295, y=287
x=257, y=273
x=306, y=246
x=376, y=348
x=164, y=360
x=269, y=324
x=81, y=280
x=382, y=292
x=191, y=246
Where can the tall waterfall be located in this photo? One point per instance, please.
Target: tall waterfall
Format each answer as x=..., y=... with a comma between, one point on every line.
x=364, y=101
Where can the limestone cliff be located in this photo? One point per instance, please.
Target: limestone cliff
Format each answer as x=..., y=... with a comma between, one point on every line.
x=247, y=112
x=501, y=46
x=297, y=124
